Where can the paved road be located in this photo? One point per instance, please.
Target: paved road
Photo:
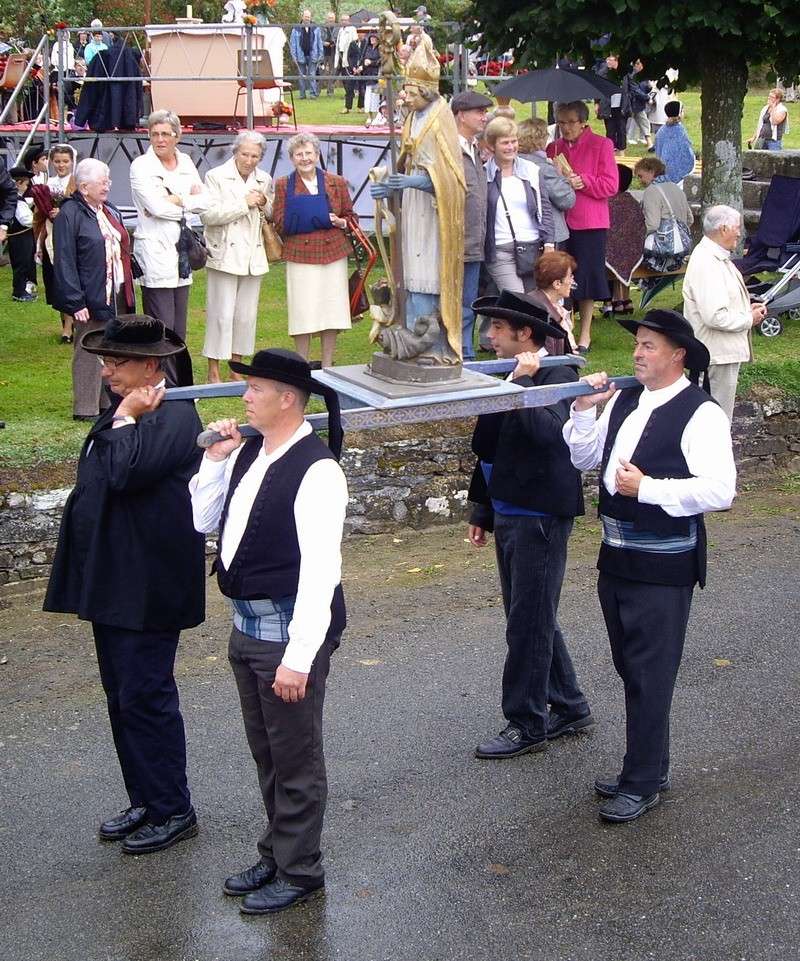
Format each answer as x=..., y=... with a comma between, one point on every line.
x=432, y=855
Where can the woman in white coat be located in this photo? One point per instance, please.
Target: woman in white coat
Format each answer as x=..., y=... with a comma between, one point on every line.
x=240, y=194
x=166, y=187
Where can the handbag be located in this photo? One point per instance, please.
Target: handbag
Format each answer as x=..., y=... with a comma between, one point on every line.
x=273, y=245
x=667, y=246
x=359, y=302
x=194, y=246
x=526, y=253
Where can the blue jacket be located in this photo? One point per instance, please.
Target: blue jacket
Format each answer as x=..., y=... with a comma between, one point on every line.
x=316, y=45
x=674, y=148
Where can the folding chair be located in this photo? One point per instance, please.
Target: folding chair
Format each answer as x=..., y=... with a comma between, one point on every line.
x=263, y=79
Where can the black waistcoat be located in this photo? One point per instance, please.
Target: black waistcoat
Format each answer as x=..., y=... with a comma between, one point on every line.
x=267, y=562
x=658, y=454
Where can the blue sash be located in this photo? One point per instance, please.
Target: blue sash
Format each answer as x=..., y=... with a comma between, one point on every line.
x=305, y=213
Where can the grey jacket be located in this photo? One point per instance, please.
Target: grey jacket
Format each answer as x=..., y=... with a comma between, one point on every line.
x=474, y=207
x=558, y=190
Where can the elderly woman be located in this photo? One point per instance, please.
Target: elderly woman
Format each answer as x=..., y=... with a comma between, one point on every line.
x=166, y=187
x=587, y=160
x=518, y=210
x=311, y=211
x=532, y=146
x=92, y=274
x=239, y=197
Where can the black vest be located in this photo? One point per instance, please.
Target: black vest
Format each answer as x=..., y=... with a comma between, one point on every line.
x=658, y=454
x=267, y=562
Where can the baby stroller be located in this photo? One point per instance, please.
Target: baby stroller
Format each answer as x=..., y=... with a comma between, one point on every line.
x=775, y=248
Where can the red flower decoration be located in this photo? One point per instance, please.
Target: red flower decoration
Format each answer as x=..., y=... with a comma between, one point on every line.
x=61, y=25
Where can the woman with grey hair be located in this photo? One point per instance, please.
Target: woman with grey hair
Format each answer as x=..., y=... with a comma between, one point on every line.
x=91, y=273
x=239, y=198
x=166, y=187
x=311, y=212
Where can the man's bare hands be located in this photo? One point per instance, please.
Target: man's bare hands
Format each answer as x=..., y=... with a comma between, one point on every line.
x=759, y=312
x=592, y=400
x=140, y=401
x=476, y=535
x=627, y=479
x=527, y=364
x=222, y=449
x=289, y=685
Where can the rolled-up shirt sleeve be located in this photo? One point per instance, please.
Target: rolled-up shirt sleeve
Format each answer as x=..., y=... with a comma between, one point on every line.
x=707, y=449
x=319, y=511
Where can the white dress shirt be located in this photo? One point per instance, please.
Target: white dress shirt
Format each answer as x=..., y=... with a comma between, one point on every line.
x=705, y=443
x=319, y=511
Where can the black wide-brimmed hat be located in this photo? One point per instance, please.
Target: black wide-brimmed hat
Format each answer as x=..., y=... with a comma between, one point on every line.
x=520, y=311
x=676, y=328
x=287, y=367
x=133, y=335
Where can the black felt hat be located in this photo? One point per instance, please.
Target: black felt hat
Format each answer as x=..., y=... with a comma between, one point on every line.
x=519, y=310
x=32, y=154
x=18, y=173
x=133, y=335
x=287, y=367
x=676, y=328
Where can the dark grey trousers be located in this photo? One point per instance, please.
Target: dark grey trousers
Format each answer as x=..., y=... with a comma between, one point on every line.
x=531, y=559
x=286, y=743
x=169, y=305
x=646, y=626
x=88, y=396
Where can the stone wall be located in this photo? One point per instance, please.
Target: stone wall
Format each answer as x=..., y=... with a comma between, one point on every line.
x=397, y=481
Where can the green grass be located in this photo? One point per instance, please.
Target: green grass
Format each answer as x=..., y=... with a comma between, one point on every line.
x=35, y=382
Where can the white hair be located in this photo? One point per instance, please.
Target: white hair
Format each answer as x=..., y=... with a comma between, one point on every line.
x=249, y=136
x=165, y=116
x=720, y=215
x=300, y=140
x=90, y=170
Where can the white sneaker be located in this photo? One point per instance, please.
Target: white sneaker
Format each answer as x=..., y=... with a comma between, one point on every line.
x=30, y=287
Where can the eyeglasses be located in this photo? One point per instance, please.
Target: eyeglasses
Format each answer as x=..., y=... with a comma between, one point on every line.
x=113, y=363
x=162, y=135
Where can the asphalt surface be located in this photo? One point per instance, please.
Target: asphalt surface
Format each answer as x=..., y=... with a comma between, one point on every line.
x=430, y=854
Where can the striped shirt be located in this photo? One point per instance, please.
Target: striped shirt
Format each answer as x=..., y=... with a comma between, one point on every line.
x=617, y=533
x=266, y=620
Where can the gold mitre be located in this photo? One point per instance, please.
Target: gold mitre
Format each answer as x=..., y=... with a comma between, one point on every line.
x=423, y=65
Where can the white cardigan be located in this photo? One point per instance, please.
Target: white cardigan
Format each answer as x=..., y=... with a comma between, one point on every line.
x=158, y=228
x=233, y=230
x=717, y=305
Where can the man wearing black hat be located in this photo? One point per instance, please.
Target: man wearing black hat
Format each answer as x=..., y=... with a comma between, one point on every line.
x=469, y=109
x=130, y=561
x=665, y=457
x=278, y=502
x=525, y=490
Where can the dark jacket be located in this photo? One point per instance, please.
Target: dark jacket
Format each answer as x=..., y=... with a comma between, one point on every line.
x=474, y=207
x=128, y=554
x=118, y=104
x=638, y=93
x=531, y=466
x=545, y=225
x=79, y=269
x=8, y=196
x=559, y=191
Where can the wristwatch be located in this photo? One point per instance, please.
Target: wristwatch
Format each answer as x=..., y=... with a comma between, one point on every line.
x=124, y=421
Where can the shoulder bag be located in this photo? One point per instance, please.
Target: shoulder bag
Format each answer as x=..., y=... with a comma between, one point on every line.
x=525, y=253
x=666, y=247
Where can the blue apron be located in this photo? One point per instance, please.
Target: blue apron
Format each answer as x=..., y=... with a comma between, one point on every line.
x=305, y=213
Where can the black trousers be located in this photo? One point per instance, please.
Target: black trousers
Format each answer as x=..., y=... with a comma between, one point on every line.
x=351, y=87
x=531, y=559
x=646, y=626
x=21, y=249
x=616, y=128
x=136, y=669
x=286, y=743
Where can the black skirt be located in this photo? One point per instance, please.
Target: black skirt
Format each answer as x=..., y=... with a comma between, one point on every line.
x=588, y=247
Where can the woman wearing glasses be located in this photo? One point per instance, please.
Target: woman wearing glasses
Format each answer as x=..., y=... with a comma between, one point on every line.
x=166, y=187
x=91, y=274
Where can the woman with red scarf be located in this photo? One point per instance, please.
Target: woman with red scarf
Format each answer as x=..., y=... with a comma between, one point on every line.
x=93, y=280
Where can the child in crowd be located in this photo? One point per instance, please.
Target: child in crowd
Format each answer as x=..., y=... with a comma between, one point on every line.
x=21, y=245
x=95, y=45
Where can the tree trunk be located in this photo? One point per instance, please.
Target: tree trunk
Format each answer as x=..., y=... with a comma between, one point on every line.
x=723, y=85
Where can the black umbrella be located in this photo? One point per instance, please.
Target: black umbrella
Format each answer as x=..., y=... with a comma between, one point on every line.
x=554, y=83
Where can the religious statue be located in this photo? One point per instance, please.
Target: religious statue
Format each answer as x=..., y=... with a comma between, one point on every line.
x=234, y=11
x=390, y=38
x=430, y=179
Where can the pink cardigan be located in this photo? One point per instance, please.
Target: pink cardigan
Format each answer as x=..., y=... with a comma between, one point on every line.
x=592, y=157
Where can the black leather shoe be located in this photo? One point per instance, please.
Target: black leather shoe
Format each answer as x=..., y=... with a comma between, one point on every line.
x=251, y=879
x=510, y=743
x=608, y=786
x=560, y=724
x=122, y=824
x=277, y=896
x=627, y=807
x=89, y=418
x=156, y=837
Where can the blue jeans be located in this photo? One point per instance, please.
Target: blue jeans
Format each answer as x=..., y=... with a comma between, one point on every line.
x=773, y=145
x=531, y=560
x=472, y=273
x=308, y=78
